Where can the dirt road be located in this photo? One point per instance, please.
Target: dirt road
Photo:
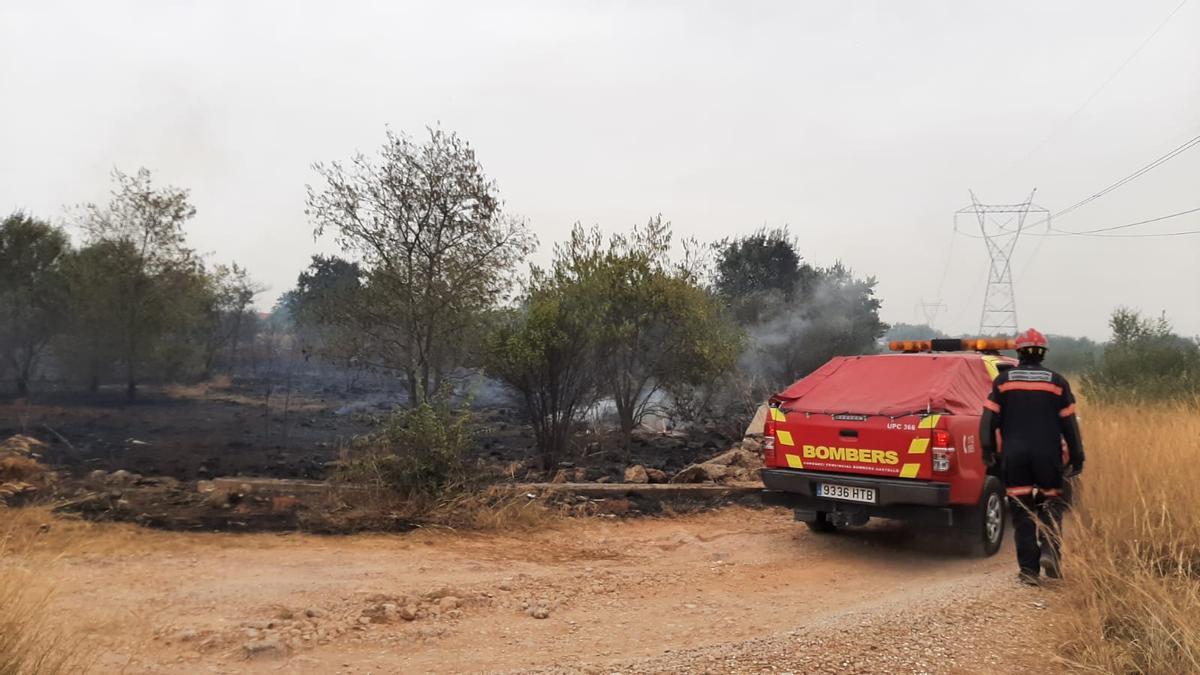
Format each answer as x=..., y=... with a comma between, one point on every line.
x=737, y=590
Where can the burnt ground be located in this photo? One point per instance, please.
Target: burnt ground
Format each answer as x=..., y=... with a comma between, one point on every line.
x=228, y=429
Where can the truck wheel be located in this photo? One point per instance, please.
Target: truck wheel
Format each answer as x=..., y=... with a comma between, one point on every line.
x=982, y=527
x=821, y=523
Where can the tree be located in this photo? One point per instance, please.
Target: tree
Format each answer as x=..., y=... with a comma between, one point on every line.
x=144, y=225
x=832, y=314
x=93, y=342
x=763, y=261
x=231, y=292
x=1072, y=354
x=32, y=293
x=426, y=226
x=325, y=307
x=911, y=331
x=654, y=326
x=545, y=351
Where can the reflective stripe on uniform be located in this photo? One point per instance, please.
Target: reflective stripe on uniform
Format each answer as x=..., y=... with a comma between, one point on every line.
x=992, y=405
x=1050, y=492
x=1067, y=411
x=1019, y=491
x=1032, y=386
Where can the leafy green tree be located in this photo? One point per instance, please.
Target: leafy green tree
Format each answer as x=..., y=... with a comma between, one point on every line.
x=1145, y=360
x=834, y=313
x=545, y=351
x=655, y=326
x=142, y=227
x=32, y=293
x=759, y=270
x=326, y=308
x=228, y=314
x=426, y=226
x=93, y=341
x=765, y=260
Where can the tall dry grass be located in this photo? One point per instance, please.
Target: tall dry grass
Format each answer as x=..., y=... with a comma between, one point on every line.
x=29, y=645
x=1132, y=543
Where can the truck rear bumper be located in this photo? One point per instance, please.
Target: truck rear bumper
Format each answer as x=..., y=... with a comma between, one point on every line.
x=925, y=502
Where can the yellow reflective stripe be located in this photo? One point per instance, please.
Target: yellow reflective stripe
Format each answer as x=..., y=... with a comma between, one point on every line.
x=910, y=470
x=918, y=446
x=785, y=437
x=777, y=415
x=991, y=363
x=929, y=422
x=794, y=461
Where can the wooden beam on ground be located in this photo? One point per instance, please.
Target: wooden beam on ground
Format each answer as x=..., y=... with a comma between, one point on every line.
x=651, y=490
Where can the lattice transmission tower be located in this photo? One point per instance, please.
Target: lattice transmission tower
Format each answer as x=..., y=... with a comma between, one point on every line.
x=999, y=316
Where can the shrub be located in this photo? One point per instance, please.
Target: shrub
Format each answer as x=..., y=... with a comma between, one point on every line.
x=1145, y=361
x=418, y=452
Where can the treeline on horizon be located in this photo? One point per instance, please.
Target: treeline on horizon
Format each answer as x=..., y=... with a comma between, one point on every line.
x=432, y=281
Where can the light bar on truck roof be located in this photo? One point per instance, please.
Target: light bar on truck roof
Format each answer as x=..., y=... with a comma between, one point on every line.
x=953, y=345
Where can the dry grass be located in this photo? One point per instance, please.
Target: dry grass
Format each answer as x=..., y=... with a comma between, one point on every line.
x=29, y=645
x=1132, y=545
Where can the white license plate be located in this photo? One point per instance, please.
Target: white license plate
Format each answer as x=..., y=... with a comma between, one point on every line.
x=846, y=493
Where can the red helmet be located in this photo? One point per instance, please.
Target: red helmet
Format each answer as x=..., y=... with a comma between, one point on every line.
x=1031, y=338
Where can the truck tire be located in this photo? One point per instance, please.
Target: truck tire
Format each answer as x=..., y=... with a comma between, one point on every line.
x=821, y=524
x=981, y=530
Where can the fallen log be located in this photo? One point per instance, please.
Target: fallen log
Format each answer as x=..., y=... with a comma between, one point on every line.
x=651, y=490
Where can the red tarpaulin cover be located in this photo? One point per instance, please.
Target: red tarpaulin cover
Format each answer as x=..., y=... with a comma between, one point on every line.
x=893, y=385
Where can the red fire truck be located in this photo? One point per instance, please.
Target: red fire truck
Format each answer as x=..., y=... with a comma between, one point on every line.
x=890, y=436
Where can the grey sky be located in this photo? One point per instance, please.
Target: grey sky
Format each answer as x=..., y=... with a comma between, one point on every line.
x=862, y=125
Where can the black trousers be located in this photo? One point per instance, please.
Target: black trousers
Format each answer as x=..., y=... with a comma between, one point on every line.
x=1034, y=482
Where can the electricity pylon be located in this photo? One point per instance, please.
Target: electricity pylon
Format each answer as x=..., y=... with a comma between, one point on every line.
x=999, y=316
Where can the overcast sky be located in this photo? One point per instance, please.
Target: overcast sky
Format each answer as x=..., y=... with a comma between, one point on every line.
x=862, y=125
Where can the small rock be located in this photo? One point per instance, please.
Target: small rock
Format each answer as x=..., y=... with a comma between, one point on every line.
x=186, y=635
x=449, y=602
x=265, y=648
x=314, y=612
x=539, y=612
x=636, y=474
x=408, y=612
x=656, y=475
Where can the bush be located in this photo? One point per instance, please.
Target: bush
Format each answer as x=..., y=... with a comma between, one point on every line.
x=1145, y=361
x=419, y=452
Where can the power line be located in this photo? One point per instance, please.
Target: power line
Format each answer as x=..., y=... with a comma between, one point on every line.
x=1070, y=118
x=1175, y=152
x=1055, y=232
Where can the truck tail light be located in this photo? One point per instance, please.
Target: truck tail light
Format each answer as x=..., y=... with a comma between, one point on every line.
x=943, y=450
x=769, y=441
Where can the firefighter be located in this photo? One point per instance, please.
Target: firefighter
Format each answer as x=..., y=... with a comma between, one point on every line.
x=1033, y=410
